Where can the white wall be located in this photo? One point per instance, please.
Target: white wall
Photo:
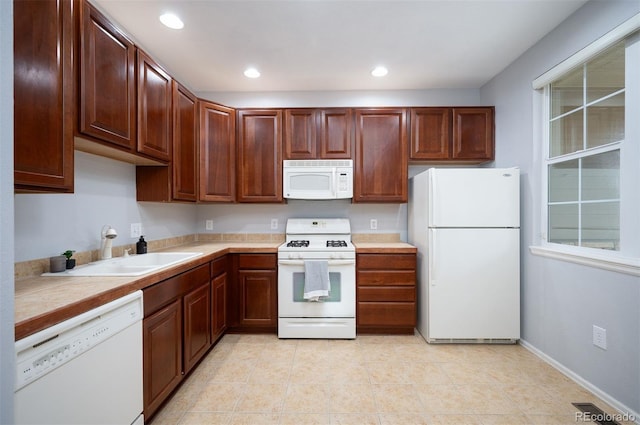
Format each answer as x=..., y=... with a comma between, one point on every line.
x=7, y=356
x=105, y=193
x=562, y=301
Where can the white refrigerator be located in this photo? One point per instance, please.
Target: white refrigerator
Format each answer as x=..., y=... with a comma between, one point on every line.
x=465, y=223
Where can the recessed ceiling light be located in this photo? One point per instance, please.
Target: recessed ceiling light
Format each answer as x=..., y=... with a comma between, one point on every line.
x=251, y=73
x=172, y=21
x=379, y=71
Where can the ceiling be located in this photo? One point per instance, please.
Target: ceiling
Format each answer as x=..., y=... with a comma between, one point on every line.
x=326, y=45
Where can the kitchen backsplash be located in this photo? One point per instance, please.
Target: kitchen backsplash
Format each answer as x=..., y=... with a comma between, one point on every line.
x=38, y=266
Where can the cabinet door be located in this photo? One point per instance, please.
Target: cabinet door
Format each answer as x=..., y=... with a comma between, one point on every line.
x=107, y=81
x=219, y=306
x=217, y=153
x=381, y=164
x=177, y=181
x=335, y=133
x=43, y=107
x=259, y=165
x=197, y=331
x=300, y=133
x=154, y=109
x=258, y=299
x=430, y=133
x=185, y=131
x=473, y=134
x=162, y=355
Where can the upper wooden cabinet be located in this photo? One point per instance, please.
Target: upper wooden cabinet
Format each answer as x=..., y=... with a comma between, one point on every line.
x=44, y=34
x=185, y=142
x=217, y=153
x=318, y=133
x=430, y=133
x=300, y=132
x=107, y=81
x=473, y=134
x=176, y=182
x=381, y=168
x=259, y=164
x=154, y=109
x=452, y=134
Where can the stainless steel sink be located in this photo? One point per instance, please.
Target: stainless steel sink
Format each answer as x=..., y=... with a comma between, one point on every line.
x=134, y=265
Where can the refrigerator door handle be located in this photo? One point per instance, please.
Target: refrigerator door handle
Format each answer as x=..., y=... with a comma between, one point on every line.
x=432, y=258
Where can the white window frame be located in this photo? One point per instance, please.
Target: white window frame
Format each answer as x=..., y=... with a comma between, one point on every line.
x=628, y=259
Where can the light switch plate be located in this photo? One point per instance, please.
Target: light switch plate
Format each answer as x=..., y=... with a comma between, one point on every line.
x=600, y=337
x=136, y=230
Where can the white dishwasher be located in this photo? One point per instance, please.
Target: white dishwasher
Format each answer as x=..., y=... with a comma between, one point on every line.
x=85, y=370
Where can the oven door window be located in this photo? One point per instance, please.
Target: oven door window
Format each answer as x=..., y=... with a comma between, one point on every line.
x=334, y=295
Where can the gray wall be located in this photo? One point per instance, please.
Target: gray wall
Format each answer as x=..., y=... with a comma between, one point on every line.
x=105, y=193
x=562, y=301
x=48, y=224
x=7, y=356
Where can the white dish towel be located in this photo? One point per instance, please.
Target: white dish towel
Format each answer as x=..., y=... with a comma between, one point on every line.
x=316, y=280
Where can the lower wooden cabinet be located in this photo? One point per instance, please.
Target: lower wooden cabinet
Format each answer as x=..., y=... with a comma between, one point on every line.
x=386, y=293
x=219, y=279
x=253, y=303
x=197, y=325
x=176, y=332
x=162, y=355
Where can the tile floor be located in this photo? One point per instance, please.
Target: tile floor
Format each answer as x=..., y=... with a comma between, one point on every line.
x=376, y=380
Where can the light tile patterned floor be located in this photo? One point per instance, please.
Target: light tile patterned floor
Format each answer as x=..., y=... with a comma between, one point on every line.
x=376, y=380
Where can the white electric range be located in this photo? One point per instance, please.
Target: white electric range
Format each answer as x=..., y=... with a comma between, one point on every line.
x=333, y=316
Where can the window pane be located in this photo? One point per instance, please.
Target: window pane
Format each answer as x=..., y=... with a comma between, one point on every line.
x=601, y=176
x=563, y=224
x=566, y=134
x=601, y=225
x=605, y=121
x=563, y=181
x=605, y=73
x=567, y=93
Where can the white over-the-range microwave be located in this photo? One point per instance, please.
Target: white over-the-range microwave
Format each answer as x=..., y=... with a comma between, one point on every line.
x=317, y=179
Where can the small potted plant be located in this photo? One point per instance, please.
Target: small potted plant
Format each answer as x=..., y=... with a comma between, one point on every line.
x=71, y=262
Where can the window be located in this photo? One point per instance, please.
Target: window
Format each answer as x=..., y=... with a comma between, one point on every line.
x=590, y=133
x=586, y=129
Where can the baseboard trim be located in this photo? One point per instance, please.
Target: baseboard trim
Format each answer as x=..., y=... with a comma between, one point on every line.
x=616, y=404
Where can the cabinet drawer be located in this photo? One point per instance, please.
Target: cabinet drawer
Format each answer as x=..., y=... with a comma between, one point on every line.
x=386, y=261
x=257, y=261
x=218, y=266
x=386, y=314
x=385, y=293
x=386, y=278
x=163, y=292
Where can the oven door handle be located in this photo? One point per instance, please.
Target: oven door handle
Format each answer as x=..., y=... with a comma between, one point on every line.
x=331, y=262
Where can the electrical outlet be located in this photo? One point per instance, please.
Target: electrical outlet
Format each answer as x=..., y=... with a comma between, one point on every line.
x=208, y=225
x=600, y=337
x=136, y=230
x=373, y=224
x=274, y=224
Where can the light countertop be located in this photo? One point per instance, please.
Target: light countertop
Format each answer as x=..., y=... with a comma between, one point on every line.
x=43, y=301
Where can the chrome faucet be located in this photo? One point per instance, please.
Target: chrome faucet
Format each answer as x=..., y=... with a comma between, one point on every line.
x=107, y=234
